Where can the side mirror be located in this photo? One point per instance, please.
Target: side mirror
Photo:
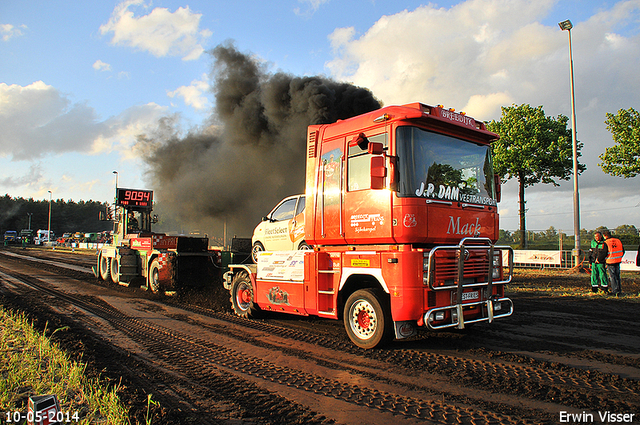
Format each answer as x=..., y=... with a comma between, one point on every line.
x=154, y=219
x=375, y=148
x=360, y=140
x=498, y=184
x=378, y=172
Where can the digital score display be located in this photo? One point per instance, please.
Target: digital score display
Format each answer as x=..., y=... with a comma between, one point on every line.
x=134, y=198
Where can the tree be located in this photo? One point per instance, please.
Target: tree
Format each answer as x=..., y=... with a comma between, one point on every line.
x=627, y=229
x=623, y=159
x=534, y=149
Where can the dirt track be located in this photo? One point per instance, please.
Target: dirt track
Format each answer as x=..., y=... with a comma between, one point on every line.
x=564, y=352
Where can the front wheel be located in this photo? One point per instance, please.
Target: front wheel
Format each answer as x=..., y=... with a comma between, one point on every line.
x=368, y=324
x=243, y=296
x=255, y=250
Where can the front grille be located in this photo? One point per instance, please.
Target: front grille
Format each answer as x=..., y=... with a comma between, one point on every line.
x=476, y=267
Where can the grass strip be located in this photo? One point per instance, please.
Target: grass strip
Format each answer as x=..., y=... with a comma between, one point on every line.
x=31, y=364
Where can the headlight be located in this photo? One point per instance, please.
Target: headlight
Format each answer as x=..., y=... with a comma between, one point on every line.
x=425, y=268
x=497, y=265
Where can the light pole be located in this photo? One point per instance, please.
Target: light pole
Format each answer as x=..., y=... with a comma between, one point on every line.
x=29, y=215
x=566, y=26
x=49, y=231
x=116, y=173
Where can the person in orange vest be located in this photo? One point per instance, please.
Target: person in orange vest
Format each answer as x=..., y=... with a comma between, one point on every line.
x=614, y=258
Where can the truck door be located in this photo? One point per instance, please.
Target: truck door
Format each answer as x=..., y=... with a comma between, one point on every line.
x=330, y=209
x=368, y=213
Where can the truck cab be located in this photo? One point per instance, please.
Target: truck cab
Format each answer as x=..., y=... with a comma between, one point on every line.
x=44, y=236
x=26, y=236
x=10, y=237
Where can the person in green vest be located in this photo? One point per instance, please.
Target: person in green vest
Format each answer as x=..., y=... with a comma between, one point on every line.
x=598, y=258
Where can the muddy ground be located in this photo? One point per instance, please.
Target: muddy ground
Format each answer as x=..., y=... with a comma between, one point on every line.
x=565, y=349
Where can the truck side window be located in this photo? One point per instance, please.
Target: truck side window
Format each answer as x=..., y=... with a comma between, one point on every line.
x=359, y=164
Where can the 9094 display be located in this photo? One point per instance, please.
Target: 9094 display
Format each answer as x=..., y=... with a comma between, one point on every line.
x=134, y=198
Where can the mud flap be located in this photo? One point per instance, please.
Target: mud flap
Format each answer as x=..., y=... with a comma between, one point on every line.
x=405, y=329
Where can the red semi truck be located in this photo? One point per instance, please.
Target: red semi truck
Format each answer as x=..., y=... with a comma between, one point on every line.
x=401, y=212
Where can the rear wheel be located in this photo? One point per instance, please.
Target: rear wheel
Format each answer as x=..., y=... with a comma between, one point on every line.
x=304, y=246
x=153, y=283
x=104, y=267
x=255, y=250
x=368, y=324
x=115, y=270
x=242, y=296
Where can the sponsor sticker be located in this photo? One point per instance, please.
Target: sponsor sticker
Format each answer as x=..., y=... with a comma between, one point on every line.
x=358, y=262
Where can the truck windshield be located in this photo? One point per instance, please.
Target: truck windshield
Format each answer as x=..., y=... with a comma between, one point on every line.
x=437, y=166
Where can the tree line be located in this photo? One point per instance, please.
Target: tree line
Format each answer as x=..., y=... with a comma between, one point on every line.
x=66, y=216
x=552, y=239
x=534, y=148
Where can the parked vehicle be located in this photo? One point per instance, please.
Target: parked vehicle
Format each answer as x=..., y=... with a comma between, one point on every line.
x=282, y=229
x=10, y=237
x=43, y=236
x=27, y=236
x=64, y=239
x=90, y=237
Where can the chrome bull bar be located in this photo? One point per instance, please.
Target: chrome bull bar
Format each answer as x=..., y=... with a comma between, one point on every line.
x=489, y=313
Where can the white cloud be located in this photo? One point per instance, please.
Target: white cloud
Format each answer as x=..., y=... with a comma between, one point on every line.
x=101, y=66
x=124, y=129
x=312, y=7
x=447, y=55
x=8, y=31
x=162, y=33
x=193, y=94
x=488, y=105
x=37, y=120
x=30, y=178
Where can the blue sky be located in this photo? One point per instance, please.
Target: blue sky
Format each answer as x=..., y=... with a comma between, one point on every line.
x=80, y=80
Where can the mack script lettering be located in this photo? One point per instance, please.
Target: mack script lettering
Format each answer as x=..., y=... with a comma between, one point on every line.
x=471, y=229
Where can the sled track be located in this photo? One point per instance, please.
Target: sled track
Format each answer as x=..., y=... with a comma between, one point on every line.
x=208, y=366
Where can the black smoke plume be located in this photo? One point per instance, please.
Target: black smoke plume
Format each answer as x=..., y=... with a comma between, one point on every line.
x=251, y=153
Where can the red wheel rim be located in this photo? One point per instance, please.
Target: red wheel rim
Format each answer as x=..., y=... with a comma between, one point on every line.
x=245, y=296
x=364, y=320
